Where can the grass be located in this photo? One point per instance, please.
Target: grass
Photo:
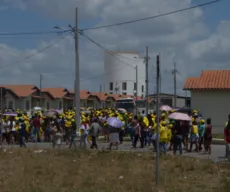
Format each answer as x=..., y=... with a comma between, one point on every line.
x=92, y=171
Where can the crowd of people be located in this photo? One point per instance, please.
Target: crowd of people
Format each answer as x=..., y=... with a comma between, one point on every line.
x=61, y=127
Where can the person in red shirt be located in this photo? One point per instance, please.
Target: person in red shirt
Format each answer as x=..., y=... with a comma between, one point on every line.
x=227, y=139
x=37, y=124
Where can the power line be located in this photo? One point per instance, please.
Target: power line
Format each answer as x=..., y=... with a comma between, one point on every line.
x=34, y=54
x=103, y=74
x=105, y=49
x=152, y=17
x=32, y=33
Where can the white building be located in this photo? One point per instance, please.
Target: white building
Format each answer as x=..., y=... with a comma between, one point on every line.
x=210, y=95
x=120, y=73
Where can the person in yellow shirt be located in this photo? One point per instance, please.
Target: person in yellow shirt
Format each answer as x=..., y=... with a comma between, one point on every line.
x=169, y=134
x=194, y=136
x=163, y=137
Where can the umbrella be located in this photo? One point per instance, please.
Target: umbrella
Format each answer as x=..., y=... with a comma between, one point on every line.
x=13, y=114
x=57, y=111
x=165, y=108
x=179, y=116
x=49, y=113
x=115, y=122
x=37, y=108
x=185, y=110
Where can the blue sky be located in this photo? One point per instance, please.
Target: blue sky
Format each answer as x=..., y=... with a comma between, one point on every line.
x=18, y=21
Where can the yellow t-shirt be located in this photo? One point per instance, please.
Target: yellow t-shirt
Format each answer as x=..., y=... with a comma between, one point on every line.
x=195, y=129
x=163, y=134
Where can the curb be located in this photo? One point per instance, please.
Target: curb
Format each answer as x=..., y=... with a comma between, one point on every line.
x=214, y=140
x=218, y=141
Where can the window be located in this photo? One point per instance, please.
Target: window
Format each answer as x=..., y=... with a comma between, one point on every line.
x=60, y=105
x=124, y=93
x=124, y=86
x=47, y=105
x=142, y=88
x=27, y=105
x=135, y=86
x=135, y=94
x=111, y=92
x=111, y=86
x=10, y=105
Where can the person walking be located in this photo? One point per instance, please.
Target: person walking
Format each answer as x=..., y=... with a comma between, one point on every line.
x=73, y=134
x=201, y=133
x=208, y=136
x=93, y=132
x=22, y=133
x=227, y=140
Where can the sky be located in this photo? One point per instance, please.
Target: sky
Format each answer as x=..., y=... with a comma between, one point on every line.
x=196, y=40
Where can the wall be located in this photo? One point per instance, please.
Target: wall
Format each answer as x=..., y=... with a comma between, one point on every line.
x=214, y=105
x=9, y=98
x=120, y=67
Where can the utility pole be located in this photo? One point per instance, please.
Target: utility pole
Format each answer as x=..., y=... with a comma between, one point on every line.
x=147, y=79
x=77, y=73
x=174, y=72
x=40, y=87
x=136, y=68
x=100, y=95
x=75, y=32
x=158, y=120
x=1, y=117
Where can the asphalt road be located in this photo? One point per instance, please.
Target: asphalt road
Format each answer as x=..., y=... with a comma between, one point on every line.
x=218, y=151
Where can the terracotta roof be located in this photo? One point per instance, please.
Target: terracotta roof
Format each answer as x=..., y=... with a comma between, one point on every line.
x=84, y=94
x=101, y=95
x=22, y=90
x=56, y=92
x=192, y=83
x=209, y=79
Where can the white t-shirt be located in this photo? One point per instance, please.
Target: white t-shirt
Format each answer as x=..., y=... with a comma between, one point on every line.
x=85, y=128
x=13, y=125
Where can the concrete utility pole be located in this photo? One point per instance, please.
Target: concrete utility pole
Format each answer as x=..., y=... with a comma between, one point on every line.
x=174, y=72
x=100, y=90
x=136, y=86
x=75, y=32
x=146, y=61
x=158, y=119
x=40, y=87
x=77, y=72
x=1, y=115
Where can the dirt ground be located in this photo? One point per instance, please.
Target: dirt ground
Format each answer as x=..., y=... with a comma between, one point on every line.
x=27, y=170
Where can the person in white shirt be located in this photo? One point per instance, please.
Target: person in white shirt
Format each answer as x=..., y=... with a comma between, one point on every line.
x=12, y=130
x=84, y=133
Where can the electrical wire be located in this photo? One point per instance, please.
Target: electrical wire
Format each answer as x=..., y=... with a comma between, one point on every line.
x=34, y=54
x=152, y=17
x=103, y=74
x=107, y=50
x=33, y=33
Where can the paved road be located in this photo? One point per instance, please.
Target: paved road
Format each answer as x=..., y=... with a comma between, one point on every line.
x=218, y=151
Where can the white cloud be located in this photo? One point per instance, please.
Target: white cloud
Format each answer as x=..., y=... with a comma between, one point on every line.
x=181, y=37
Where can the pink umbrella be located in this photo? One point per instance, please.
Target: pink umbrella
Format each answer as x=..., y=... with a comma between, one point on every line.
x=179, y=116
x=165, y=108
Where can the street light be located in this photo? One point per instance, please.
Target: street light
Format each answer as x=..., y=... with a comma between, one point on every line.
x=75, y=31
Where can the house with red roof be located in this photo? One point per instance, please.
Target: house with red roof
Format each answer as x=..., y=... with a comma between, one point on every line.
x=210, y=94
x=24, y=97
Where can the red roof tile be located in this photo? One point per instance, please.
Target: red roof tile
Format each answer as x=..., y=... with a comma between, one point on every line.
x=209, y=79
x=56, y=92
x=84, y=94
x=22, y=90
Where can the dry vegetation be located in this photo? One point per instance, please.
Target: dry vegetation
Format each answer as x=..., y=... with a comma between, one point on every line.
x=91, y=171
